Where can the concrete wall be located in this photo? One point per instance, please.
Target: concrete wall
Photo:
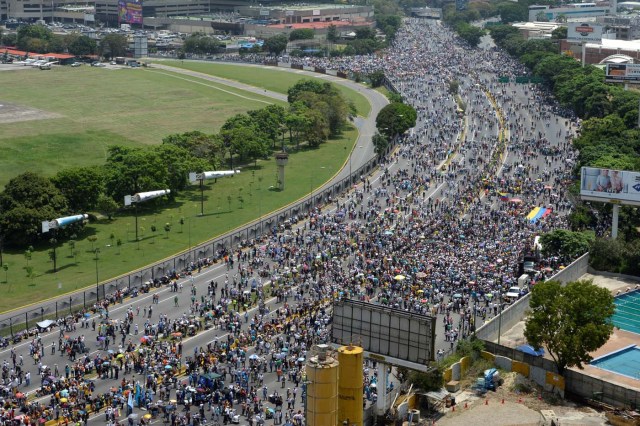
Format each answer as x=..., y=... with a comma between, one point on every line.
x=543, y=372
x=514, y=313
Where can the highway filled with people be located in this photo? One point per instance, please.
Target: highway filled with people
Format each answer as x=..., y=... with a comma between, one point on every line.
x=438, y=229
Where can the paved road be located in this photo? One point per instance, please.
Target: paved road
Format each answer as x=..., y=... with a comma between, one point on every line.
x=361, y=154
x=480, y=124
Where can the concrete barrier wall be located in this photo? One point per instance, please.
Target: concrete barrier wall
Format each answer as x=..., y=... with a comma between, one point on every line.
x=514, y=313
x=503, y=362
x=543, y=372
x=507, y=319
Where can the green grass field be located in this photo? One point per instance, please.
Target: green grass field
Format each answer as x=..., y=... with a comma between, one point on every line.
x=125, y=106
x=98, y=116
x=271, y=78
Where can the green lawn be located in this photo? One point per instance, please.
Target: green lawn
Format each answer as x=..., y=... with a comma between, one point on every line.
x=270, y=78
x=101, y=107
x=97, y=116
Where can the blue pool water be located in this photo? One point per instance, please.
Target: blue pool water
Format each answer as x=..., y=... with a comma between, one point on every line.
x=626, y=361
x=627, y=315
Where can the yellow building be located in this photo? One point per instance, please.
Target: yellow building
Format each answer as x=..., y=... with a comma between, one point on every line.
x=322, y=389
x=350, y=385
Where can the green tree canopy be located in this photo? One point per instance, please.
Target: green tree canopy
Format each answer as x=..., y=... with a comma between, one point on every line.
x=27, y=201
x=301, y=34
x=276, y=45
x=113, y=45
x=570, y=321
x=565, y=244
x=81, y=186
x=132, y=170
x=395, y=119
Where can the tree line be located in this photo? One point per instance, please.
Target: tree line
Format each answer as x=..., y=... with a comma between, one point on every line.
x=316, y=112
x=609, y=137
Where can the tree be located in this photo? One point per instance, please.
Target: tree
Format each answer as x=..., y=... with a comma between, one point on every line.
x=27, y=201
x=395, y=119
x=82, y=187
x=92, y=239
x=167, y=228
x=376, y=78
x=513, y=12
x=542, y=17
x=470, y=33
x=81, y=45
x=332, y=33
x=29, y=36
x=565, y=244
x=559, y=33
x=132, y=170
x=301, y=34
x=107, y=206
x=570, y=321
x=380, y=144
x=561, y=18
x=153, y=233
x=276, y=45
x=113, y=45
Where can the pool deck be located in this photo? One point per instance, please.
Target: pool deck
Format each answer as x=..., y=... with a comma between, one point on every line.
x=618, y=340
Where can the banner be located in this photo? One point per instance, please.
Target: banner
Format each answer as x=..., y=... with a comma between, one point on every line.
x=620, y=73
x=614, y=186
x=130, y=12
x=584, y=32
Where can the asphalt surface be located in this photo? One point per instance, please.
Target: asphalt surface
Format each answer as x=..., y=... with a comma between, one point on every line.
x=479, y=123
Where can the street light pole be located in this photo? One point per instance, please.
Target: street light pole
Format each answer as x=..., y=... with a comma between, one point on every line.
x=499, y=316
x=96, y=252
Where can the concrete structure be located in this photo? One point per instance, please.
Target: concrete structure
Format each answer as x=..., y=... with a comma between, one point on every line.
x=322, y=389
x=624, y=27
x=576, y=10
x=536, y=30
x=282, y=158
x=350, y=385
x=49, y=11
x=596, y=53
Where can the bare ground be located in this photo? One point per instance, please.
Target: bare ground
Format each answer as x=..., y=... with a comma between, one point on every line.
x=12, y=113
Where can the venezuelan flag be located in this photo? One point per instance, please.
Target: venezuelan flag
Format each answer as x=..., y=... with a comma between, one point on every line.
x=532, y=214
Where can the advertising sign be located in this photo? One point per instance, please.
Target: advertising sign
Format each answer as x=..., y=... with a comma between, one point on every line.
x=613, y=186
x=621, y=73
x=584, y=32
x=264, y=12
x=130, y=12
x=393, y=334
x=316, y=12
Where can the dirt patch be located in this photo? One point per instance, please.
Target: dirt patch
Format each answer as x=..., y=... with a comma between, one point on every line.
x=12, y=113
x=519, y=401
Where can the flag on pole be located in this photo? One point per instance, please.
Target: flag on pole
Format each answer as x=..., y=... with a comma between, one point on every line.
x=130, y=401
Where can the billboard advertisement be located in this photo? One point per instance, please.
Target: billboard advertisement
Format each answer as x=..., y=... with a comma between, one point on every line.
x=387, y=334
x=614, y=186
x=620, y=73
x=584, y=32
x=130, y=12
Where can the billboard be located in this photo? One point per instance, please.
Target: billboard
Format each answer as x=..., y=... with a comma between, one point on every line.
x=613, y=186
x=389, y=335
x=621, y=73
x=584, y=32
x=129, y=12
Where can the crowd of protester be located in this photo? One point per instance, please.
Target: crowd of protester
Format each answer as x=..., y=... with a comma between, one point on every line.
x=439, y=231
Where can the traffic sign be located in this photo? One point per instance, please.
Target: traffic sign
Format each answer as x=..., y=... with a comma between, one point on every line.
x=503, y=79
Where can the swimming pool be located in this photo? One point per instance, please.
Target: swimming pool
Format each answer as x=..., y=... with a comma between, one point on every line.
x=625, y=361
x=627, y=315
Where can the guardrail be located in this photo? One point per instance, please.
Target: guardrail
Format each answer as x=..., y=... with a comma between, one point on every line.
x=83, y=299
x=65, y=305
